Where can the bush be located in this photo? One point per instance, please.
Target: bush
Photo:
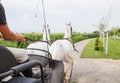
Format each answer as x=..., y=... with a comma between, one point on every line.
x=98, y=45
x=97, y=48
x=56, y=36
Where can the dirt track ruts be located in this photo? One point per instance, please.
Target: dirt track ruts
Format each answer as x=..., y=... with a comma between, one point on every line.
x=94, y=70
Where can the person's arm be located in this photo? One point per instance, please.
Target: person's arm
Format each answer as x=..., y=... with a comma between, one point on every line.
x=9, y=35
x=4, y=29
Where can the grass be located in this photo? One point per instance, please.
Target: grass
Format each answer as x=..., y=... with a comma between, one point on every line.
x=113, y=50
x=8, y=43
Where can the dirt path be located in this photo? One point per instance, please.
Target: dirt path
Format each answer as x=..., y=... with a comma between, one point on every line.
x=94, y=70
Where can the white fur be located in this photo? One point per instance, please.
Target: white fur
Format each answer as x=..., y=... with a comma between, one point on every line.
x=68, y=31
x=40, y=44
x=63, y=50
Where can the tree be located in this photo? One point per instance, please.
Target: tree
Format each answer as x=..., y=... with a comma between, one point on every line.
x=102, y=26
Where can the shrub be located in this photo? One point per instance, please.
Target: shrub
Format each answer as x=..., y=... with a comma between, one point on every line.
x=98, y=45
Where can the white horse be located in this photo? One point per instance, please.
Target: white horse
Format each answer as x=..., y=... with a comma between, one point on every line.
x=43, y=45
x=64, y=50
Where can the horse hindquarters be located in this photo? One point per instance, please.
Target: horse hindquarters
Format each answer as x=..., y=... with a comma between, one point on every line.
x=38, y=45
x=63, y=50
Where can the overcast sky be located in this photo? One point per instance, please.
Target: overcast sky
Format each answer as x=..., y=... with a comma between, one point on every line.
x=81, y=13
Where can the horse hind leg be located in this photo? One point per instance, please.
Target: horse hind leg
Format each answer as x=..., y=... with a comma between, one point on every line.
x=65, y=80
x=68, y=72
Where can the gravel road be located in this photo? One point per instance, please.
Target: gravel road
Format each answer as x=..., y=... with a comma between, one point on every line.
x=94, y=70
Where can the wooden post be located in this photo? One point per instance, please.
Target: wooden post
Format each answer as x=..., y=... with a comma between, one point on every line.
x=103, y=40
x=106, y=43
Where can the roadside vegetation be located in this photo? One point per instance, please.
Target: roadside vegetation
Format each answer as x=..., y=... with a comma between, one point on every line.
x=113, y=50
x=95, y=49
x=76, y=36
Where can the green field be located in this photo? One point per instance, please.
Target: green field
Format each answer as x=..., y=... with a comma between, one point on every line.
x=113, y=50
x=55, y=36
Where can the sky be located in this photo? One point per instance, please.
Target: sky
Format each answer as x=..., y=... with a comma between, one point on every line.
x=83, y=14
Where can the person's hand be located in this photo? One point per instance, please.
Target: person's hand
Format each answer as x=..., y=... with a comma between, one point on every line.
x=20, y=38
x=14, y=37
